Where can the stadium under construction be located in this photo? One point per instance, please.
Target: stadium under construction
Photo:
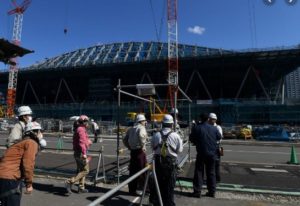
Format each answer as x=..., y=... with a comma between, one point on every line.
x=240, y=86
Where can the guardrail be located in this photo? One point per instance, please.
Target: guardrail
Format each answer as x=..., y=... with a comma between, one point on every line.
x=148, y=169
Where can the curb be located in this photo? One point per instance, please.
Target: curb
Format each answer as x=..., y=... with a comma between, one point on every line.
x=240, y=188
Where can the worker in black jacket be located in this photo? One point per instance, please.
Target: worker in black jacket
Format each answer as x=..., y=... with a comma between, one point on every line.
x=205, y=137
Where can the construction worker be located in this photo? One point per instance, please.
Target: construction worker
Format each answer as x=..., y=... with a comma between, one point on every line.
x=24, y=116
x=166, y=145
x=96, y=131
x=212, y=119
x=205, y=137
x=81, y=143
x=18, y=163
x=135, y=140
x=174, y=113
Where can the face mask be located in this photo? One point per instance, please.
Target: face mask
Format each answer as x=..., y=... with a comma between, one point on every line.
x=29, y=119
x=40, y=135
x=43, y=142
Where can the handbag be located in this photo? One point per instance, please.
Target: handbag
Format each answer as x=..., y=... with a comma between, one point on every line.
x=221, y=151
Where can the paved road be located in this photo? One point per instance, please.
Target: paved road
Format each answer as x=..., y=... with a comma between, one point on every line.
x=254, y=168
x=49, y=192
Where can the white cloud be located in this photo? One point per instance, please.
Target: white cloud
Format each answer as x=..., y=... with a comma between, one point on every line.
x=196, y=30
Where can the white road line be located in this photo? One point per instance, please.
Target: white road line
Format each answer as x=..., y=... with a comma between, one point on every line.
x=268, y=170
x=259, y=152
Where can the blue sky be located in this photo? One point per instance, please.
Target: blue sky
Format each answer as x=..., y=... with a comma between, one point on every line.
x=228, y=24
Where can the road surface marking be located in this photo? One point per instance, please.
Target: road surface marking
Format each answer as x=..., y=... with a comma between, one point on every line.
x=259, y=152
x=268, y=170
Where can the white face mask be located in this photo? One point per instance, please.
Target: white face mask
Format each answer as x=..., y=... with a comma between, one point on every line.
x=29, y=119
x=40, y=135
x=43, y=142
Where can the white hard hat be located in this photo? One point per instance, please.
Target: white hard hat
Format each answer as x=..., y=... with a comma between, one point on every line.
x=92, y=120
x=24, y=110
x=173, y=110
x=32, y=126
x=168, y=119
x=83, y=118
x=212, y=116
x=74, y=118
x=140, y=117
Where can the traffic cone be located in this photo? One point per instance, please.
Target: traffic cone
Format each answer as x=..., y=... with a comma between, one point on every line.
x=293, y=159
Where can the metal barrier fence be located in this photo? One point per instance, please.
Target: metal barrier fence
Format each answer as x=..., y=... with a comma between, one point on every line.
x=149, y=169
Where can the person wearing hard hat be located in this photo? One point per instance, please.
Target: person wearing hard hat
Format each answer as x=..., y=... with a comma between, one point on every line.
x=212, y=119
x=18, y=164
x=135, y=140
x=166, y=145
x=81, y=143
x=174, y=113
x=24, y=116
x=205, y=137
x=96, y=131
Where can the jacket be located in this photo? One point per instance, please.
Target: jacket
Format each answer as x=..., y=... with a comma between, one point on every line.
x=19, y=160
x=174, y=142
x=205, y=137
x=136, y=137
x=16, y=134
x=81, y=141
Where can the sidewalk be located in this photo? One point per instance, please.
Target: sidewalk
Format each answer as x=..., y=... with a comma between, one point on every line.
x=49, y=192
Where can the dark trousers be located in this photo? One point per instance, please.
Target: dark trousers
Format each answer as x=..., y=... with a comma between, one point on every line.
x=207, y=163
x=217, y=167
x=166, y=176
x=96, y=133
x=10, y=192
x=137, y=162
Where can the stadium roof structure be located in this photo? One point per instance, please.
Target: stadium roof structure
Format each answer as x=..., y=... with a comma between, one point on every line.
x=204, y=73
x=128, y=52
x=285, y=59
x=9, y=50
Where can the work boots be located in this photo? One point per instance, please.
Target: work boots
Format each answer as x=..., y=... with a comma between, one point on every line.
x=82, y=190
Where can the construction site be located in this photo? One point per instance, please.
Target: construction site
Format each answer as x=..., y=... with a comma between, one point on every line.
x=112, y=83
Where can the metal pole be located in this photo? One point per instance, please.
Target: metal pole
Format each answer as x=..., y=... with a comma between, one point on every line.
x=118, y=130
x=135, y=96
x=156, y=183
x=145, y=187
x=175, y=108
x=190, y=130
x=117, y=188
x=282, y=92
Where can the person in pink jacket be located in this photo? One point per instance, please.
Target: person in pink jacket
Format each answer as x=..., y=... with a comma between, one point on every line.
x=81, y=143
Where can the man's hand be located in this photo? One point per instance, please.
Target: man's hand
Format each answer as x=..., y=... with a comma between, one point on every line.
x=28, y=190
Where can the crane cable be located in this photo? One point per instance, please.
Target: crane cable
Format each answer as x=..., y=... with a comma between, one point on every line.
x=252, y=23
x=158, y=32
x=66, y=17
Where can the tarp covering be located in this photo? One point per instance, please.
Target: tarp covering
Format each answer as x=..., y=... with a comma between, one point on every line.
x=274, y=133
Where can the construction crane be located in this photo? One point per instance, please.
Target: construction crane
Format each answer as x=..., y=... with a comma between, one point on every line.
x=13, y=69
x=172, y=52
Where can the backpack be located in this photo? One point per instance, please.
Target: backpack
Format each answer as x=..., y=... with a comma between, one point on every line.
x=166, y=164
x=164, y=145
